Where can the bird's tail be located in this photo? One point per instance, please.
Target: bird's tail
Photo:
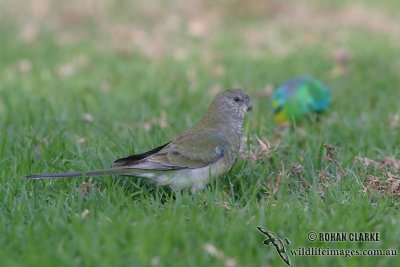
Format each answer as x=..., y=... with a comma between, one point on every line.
x=111, y=171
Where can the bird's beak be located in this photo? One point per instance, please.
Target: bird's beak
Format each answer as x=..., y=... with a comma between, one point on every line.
x=249, y=105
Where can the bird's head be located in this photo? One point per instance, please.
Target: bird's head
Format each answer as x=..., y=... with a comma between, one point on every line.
x=232, y=104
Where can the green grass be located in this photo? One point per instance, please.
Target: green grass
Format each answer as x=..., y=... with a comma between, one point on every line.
x=128, y=222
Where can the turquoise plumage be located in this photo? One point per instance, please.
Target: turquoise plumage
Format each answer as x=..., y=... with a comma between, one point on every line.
x=298, y=98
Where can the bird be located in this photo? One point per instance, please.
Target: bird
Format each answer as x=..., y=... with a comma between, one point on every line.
x=192, y=158
x=299, y=98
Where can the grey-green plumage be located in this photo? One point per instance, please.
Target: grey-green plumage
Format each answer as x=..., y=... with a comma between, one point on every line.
x=204, y=151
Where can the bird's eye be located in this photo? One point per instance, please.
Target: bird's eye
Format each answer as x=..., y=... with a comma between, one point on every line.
x=236, y=99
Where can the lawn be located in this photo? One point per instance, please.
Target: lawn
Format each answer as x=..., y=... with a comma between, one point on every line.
x=86, y=82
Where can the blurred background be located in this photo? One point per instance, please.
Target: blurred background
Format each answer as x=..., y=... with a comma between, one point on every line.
x=211, y=33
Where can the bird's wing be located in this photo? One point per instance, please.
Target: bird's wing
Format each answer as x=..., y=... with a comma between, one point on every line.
x=133, y=159
x=194, y=148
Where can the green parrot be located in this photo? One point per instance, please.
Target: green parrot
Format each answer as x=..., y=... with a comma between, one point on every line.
x=297, y=98
x=204, y=151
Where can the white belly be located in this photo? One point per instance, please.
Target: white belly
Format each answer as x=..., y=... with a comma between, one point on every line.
x=195, y=179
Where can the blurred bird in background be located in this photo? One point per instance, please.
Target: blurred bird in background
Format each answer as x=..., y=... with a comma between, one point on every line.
x=299, y=98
